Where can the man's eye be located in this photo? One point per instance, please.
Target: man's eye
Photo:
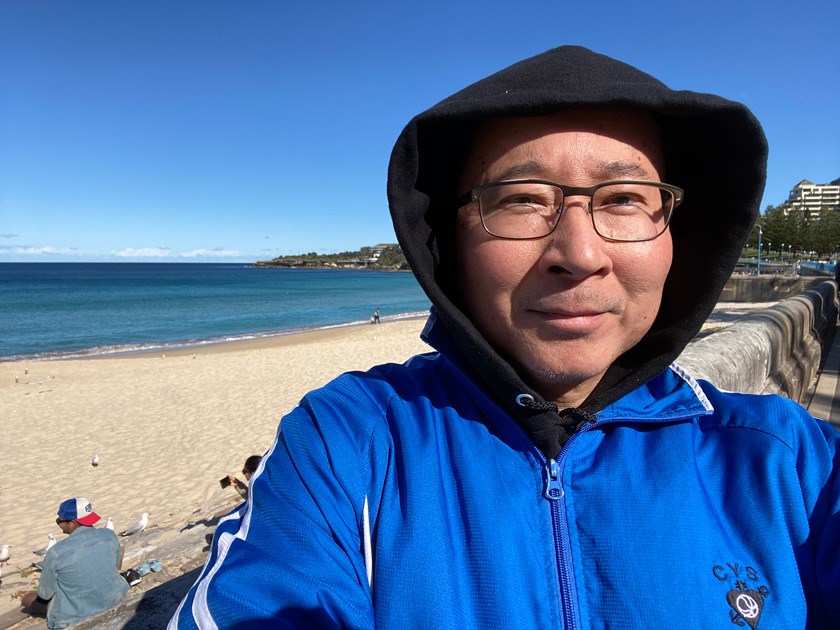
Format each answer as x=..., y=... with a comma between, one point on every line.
x=520, y=200
x=625, y=203
x=620, y=200
x=525, y=201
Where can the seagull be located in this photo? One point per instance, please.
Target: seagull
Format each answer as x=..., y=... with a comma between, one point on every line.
x=43, y=551
x=5, y=554
x=95, y=461
x=138, y=527
x=110, y=524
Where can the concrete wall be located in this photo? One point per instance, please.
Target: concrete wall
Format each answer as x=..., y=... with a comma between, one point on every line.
x=767, y=288
x=776, y=350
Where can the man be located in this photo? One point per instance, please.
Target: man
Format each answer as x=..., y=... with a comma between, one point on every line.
x=573, y=221
x=81, y=575
x=248, y=469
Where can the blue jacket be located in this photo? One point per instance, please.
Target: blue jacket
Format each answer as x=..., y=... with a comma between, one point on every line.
x=81, y=577
x=404, y=497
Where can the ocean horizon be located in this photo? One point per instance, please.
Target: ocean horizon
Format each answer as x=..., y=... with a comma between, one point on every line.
x=64, y=310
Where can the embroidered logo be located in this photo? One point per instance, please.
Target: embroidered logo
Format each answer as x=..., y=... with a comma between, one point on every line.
x=746, y=598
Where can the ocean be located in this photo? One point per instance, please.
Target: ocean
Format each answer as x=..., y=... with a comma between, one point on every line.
x=80, y=309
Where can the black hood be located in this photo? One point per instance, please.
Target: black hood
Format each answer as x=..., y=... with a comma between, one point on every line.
x=714, y=149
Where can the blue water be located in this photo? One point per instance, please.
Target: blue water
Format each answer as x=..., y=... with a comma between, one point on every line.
x=49, y=309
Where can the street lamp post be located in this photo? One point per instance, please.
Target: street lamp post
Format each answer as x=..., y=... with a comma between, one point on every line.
x=758, y=265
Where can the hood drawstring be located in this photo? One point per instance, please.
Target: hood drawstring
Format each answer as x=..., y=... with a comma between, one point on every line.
x=578, y=414
x=570, y=413
x=527, y=401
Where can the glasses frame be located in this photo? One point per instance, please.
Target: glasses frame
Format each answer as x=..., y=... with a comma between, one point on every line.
x=473, y=196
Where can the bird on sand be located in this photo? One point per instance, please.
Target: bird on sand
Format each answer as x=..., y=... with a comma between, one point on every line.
x=138, y=527
x=50, y=542
x=95, y=461
x=110, y=524
x=5, y=554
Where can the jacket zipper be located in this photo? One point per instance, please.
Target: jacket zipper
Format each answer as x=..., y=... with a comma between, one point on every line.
x=554, y=493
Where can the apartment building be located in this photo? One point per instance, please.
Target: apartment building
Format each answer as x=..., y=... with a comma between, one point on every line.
x=810, y=198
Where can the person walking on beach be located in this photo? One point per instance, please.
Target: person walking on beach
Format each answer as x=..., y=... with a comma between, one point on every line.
x=376, y=316
x=573, y=221
x=80, y=576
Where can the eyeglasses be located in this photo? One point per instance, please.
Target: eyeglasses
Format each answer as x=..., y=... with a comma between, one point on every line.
x=623, y=211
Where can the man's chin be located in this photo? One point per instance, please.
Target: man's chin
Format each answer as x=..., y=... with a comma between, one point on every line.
x=568, y=382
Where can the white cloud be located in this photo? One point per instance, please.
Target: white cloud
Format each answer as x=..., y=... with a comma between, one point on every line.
x=143, y=252
x=166, y=252
x=30, y=250
x=202, y=253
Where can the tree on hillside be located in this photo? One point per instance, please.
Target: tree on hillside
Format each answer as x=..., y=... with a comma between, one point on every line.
x=824, y=237
x=392, y=257
x=789, y=226
x=777, y=228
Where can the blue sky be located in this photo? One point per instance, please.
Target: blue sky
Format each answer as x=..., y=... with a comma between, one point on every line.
x=209, y=131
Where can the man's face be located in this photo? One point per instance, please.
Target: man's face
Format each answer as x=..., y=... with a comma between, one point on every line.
x=562, y=308
x=67, y=527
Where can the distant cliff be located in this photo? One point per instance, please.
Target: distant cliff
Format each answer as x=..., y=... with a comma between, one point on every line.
x=383, y=257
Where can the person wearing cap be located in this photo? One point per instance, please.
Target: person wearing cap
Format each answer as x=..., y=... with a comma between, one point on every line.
x=573, y=221
x=80, y=574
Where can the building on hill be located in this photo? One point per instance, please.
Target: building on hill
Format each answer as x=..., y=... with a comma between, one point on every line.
x=810, y=198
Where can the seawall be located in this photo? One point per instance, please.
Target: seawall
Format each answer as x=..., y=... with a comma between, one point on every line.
x=776, y=350
x=767, y=288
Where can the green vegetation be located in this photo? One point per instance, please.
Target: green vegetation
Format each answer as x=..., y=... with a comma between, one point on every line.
x=386, y=257
x=800, y=235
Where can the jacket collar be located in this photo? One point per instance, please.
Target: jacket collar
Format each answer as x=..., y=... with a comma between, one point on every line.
x=672, y=395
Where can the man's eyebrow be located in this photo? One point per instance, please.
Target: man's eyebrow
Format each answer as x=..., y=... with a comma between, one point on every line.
x=621, y=168
x=525, y=170
x=617, y=169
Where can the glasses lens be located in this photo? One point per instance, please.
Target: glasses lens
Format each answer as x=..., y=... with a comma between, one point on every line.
x=520, y=210
x=631, y=212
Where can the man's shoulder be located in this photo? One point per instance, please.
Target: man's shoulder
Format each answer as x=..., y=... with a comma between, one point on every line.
x=418, y=374
x=772, y=414
x=85, y=536
x=358, y=404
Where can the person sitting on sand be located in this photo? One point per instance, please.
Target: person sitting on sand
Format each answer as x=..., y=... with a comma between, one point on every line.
x=248, y=469
x=81, y=575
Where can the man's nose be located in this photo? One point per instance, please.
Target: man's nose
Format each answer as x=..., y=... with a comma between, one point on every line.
x=574, y=247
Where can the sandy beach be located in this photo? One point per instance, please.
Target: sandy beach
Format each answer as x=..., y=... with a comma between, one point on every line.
x=166, y=427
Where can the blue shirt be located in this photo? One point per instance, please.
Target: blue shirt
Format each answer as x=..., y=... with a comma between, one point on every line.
x=81, y=576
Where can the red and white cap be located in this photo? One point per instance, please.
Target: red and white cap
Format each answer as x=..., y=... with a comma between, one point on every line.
x=78, y=509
